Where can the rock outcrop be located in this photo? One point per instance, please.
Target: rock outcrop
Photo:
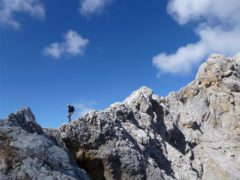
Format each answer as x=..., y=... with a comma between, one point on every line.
x=26, y=152
x=190, y=134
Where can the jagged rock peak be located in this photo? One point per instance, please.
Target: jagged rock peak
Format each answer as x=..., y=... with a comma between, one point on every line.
x=143, y=92
x=25, y=119
x=26, y=115
x=216, y=70
x=190, y=134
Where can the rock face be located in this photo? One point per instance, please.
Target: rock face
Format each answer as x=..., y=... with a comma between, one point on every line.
x=190, y=134
x=27, y=153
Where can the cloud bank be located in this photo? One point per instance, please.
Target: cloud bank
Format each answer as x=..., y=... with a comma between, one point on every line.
x=9, y=9
x=73, y=45
x=218, y=29
x=90, y=7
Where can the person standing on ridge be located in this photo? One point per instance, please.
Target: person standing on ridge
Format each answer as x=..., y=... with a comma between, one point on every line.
x=70, y=112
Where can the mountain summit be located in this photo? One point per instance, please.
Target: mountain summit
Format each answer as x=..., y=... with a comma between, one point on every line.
x=190, y=134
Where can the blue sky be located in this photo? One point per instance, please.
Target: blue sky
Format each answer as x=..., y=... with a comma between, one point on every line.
x=92, y=53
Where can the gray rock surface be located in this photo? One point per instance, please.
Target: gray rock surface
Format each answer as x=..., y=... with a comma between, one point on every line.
x=26, y=153
x=190, y=134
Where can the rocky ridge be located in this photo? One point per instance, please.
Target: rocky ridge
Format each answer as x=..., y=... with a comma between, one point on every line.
x=190, y=134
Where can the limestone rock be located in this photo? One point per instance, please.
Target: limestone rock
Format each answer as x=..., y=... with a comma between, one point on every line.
x=190, y=134
x=27, y=153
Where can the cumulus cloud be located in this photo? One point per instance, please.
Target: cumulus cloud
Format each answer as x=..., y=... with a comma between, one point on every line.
x=9, y=9
x=218, y=29
x=73, y=45
x=89, y=7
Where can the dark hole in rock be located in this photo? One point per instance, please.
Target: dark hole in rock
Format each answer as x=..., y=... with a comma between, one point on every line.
x=194, y=125
x=94, y=168
x=121, y=115
x=192, y=144
x=138, y=106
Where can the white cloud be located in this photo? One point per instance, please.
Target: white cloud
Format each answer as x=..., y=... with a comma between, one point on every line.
x=9, y=9
x=218, y=30
x=89, y=7
x=73, y=45
x=84, y=108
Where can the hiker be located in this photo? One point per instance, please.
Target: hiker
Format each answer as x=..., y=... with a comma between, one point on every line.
x=70, y=112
